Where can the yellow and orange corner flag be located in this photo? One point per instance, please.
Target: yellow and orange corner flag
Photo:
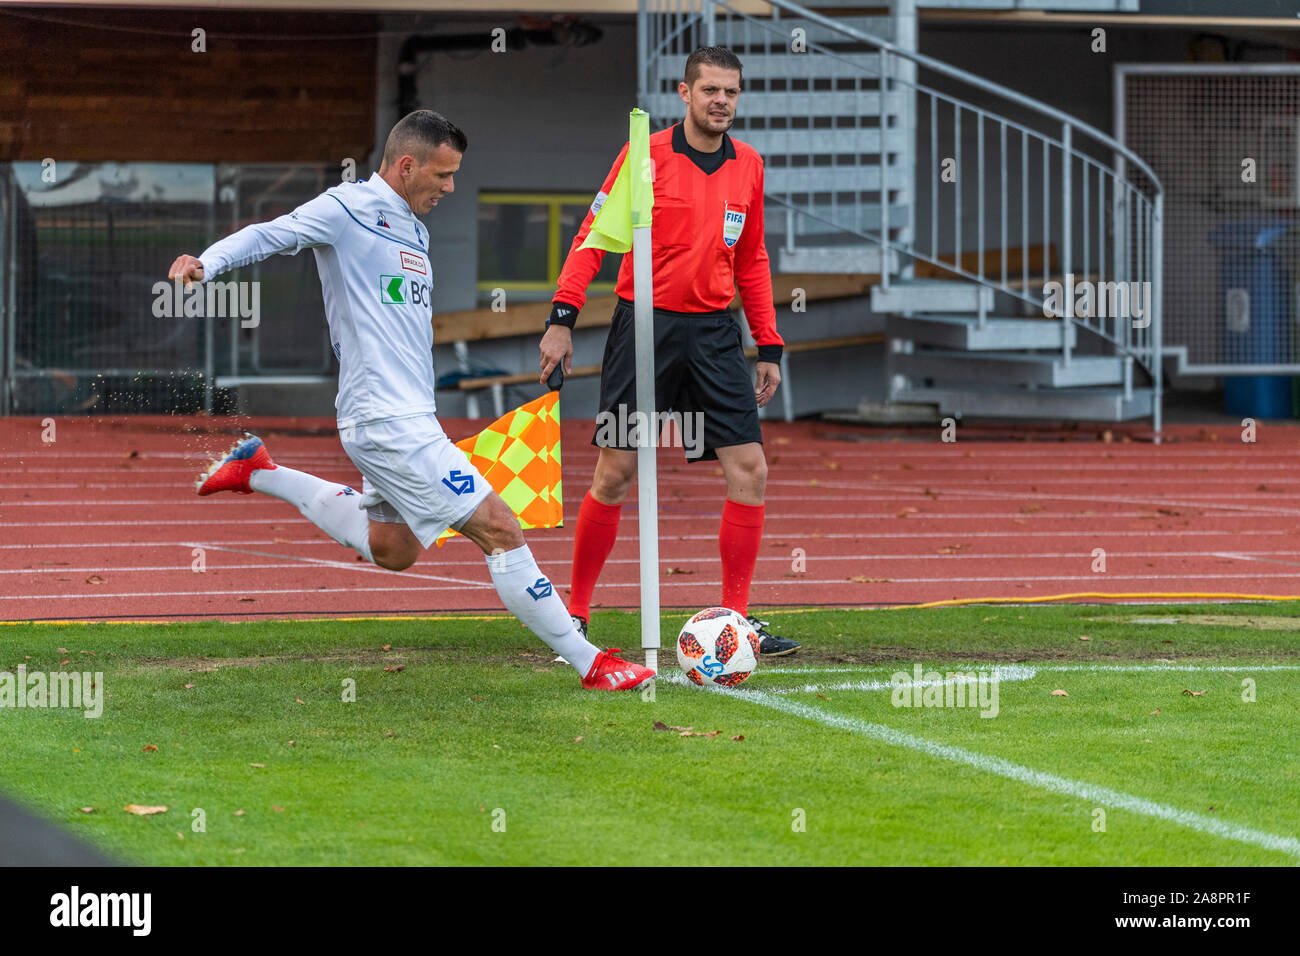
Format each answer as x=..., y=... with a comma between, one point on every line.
x=519, y=455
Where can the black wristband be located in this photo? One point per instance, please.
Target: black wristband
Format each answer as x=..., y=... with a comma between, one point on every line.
x=562, y=314
x=770, y=353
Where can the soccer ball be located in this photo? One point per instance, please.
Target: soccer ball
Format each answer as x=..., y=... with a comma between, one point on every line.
x=717, y=646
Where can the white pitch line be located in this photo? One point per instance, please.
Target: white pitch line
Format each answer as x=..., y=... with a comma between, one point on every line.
x=1081, y=790
x=1054, y=668
x=1009, y=672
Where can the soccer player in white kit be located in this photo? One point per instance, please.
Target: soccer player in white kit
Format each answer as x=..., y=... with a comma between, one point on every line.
x=372, y=253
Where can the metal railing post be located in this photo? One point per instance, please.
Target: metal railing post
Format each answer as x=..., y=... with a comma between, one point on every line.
x=1156, y=305
x=886, y=85
x=1066, y=250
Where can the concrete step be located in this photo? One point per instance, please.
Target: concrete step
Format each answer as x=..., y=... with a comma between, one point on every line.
x=930, y=295
x=1009, y=368
x=1065, y=404
x=853, y=141
x=865, y=259
x=740, y=35
x=964, y=332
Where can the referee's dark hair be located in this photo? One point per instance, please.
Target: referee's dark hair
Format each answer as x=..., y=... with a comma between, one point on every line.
x=718, y=56
x=419, y=134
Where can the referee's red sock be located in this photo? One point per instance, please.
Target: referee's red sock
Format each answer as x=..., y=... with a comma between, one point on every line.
x=593, y=539
x=738, y=540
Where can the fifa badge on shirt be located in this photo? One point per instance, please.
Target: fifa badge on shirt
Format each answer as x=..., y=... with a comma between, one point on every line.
x=733, y=223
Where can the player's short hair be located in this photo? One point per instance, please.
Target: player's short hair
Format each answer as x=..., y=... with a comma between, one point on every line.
x=419, y=134
x=718, y=56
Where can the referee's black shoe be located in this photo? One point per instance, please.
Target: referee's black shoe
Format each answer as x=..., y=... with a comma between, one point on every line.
x=770, y=645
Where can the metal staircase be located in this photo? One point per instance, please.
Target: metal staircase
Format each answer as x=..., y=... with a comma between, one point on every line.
x=966, y=198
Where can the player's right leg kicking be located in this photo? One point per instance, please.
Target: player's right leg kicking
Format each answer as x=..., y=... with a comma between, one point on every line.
x=524, y=590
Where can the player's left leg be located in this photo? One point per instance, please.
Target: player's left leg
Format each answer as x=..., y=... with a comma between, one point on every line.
x=529, y=595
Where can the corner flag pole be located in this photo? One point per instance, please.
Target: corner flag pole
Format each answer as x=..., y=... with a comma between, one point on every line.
x=641, y=177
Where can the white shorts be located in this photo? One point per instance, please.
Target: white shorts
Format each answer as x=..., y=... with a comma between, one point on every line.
x=413, y=474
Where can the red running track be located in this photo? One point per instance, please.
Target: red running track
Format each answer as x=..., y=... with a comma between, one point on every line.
x=103, y=522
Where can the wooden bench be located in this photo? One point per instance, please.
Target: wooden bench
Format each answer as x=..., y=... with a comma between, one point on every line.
x=479, y=325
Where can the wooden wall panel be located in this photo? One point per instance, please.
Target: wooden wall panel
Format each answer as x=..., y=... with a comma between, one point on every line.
x=101, y=85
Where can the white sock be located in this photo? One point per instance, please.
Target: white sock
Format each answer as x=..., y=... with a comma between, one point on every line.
x=330, y=507
x=529, y=596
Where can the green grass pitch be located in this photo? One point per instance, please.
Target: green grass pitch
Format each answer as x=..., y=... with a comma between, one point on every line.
x=466, y=745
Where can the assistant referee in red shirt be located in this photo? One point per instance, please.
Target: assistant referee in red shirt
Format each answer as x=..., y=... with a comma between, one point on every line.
x=707, y=242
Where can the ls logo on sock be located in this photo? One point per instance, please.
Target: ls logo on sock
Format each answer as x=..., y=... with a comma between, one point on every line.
x=541, y=589
x=460, y=484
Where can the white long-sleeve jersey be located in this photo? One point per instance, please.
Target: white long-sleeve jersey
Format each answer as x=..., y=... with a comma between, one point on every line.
x=377, y=280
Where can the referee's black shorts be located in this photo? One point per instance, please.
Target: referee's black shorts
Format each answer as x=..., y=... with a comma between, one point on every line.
x=700, y=367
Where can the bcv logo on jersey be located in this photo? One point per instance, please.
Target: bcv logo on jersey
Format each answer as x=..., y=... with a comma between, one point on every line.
x=396, y=290
x=733, y=223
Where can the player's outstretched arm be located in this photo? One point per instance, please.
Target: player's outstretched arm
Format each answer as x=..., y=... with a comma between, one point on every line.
x=315, y=223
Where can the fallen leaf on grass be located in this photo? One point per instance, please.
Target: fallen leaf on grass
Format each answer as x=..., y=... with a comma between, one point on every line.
x=61, y=650
x=143, y=811
x=394, y=668
x=699, y=733
x=297, y=700
x=823, y=697
x=86, y=809
x=738, y=737
x=387, y=647
x=1059, y=693
x=239, y=813
x=577, y=738
x=189, y=686
x=278, y=809
x=390, y=733
x=1084, y=637
x=179, y=835
x=660, y=725
x=289, y=744
x=257, y=765
x=1154, y=712
x=1193, y=693
x=149, y=749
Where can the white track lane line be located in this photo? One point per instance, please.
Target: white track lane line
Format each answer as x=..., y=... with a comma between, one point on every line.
x=1078, y=789
x=782, y=559
x=665, y=585
x=563, y=537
